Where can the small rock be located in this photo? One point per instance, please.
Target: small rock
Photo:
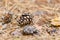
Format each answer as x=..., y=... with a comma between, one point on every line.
x=16, y=33
x=4, y=26
x=30, y=30
x=7, y=18
x=55, y=22
x=51, y=31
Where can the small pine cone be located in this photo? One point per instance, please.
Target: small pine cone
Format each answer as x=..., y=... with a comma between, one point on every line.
x=7, y=18
x=25, y=19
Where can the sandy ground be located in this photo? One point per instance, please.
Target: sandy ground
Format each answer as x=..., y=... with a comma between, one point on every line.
x=42, y=10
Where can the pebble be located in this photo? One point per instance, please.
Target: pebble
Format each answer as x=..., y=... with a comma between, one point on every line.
x=16, y=33
x=30, y=30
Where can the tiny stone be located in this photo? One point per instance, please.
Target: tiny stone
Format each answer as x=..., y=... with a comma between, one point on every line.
x=51, y=31
x=30, y=30
x=4, y=26
x=16, y=33
x=7, y=18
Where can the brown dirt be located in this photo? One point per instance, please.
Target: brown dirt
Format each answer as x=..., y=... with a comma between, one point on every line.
x=42, y=10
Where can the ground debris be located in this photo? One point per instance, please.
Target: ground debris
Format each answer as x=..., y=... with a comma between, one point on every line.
x=55, y=22
x=30, y=30
x=7, y=18
x=25, y=19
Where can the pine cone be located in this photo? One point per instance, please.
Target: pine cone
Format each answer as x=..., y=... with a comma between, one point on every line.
x=25, y=19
